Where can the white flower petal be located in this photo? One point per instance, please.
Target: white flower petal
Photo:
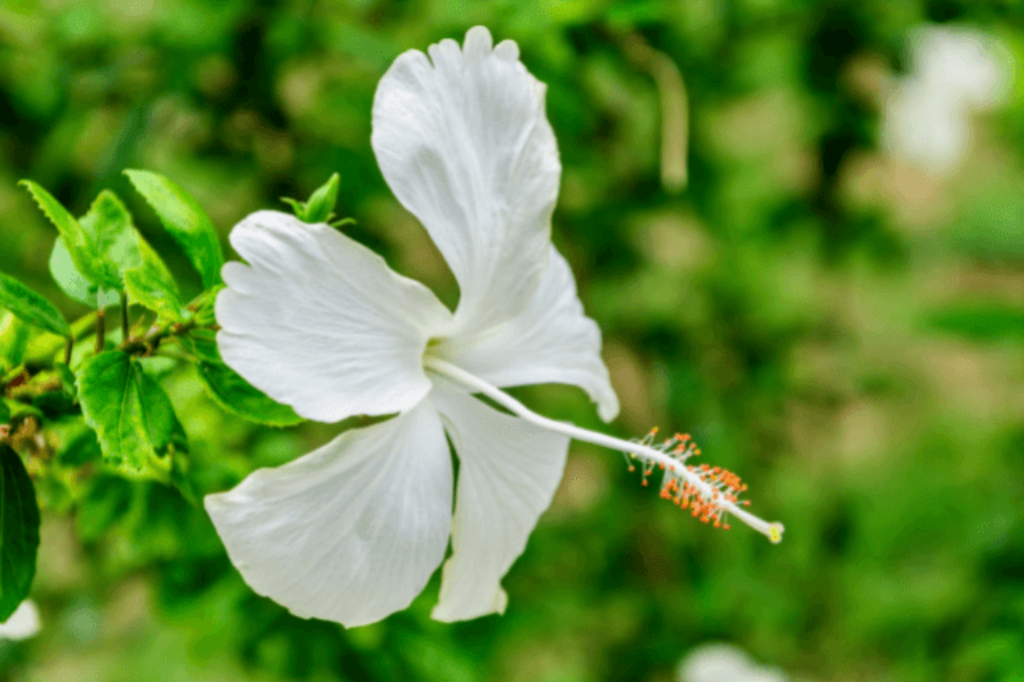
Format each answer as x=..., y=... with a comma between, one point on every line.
x=319, y=322
x=22, y=624
x=350, y=532
x=508, y=473
x=550, y=341
x=465, y=145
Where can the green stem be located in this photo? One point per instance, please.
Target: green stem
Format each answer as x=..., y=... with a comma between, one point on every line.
x=124, y=315
x=100, y=330
x=150, y=341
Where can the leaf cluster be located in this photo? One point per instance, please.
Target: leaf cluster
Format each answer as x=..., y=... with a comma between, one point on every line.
x=83, y=402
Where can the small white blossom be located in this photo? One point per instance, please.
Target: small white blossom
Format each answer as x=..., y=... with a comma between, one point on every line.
x=954, y=71
x=725, y=663
x=23, y=623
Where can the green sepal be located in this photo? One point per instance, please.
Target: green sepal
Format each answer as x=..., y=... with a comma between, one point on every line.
x=320, y=206
x=31, y=307
x=85, y=253
x=19, y=532
x=185, y=220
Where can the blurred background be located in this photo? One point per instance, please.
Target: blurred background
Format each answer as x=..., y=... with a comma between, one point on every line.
x=826, y=289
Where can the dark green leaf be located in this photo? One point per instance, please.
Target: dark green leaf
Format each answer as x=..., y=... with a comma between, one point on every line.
x=107, y=500
x=229, y=389
x=19, y=532
x=320, y=206
x=238, y=396
x=31, y=307
x=81, y=448
x=5, y=413
x=185, y=220
x=181, y=479
x=165, y=431
x=85, y=253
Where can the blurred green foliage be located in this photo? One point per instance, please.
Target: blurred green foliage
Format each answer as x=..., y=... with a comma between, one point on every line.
x=843, y=332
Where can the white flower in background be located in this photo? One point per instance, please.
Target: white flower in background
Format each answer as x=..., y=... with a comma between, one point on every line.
x=23, y=623
x=353, y=531
x=725, y=663
x=953, y=72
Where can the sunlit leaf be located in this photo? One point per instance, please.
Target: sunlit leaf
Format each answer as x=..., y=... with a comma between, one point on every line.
x=85, y=253
x=31, y=307
x=185, y=220
x=151, y=285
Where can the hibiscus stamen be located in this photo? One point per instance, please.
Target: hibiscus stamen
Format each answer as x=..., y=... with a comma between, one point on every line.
x=711, y=503
x=709, y=493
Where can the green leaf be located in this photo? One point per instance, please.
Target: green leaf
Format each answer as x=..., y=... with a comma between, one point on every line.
x=165, y=431
x=5, y=413
x=19, y=532
x=110, y=400
x=185, y=220
x=320, y=206
x=13, y=341
x=74, y=283
x=18, y=409
x=84, y=252
x=81, y=449
x=109, y=224
x=231, y=391
x=132, y=416
x=152, y=286
x=238, y=396
x=31, y=307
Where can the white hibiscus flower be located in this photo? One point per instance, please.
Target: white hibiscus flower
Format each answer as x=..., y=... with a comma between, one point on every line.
x=353, y=531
